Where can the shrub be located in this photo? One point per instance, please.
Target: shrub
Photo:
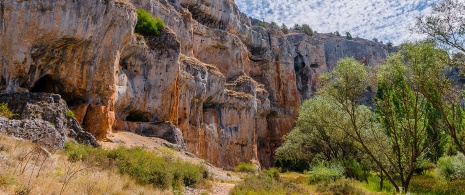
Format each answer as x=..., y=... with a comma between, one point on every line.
x=144, y=166
x=356, y=170
x=325, y=173
x=452, y=167
x=147, y=25
x=340, y=186
x=348, y=36
x=5, y=112
x=245, y=168
x=307, y=29
x=267, y=182
x=70, y=113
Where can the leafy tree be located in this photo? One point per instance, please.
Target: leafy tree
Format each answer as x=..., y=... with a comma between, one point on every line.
x=337, y=33
x=403, y=113
x=390, y=44
x=273, y=25
x=446, y=23
x=307, y=30
x=428, y=65
x=147, y=25
x=297, y=27
x=284, y=29
x=348, y=35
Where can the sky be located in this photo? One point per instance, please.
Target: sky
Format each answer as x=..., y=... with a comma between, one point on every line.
x=386, y=20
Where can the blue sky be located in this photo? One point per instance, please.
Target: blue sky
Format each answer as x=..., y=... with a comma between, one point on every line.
x=387, y=20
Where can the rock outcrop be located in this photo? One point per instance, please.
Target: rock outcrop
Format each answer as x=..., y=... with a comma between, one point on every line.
x=44, y=119
x=231, y=89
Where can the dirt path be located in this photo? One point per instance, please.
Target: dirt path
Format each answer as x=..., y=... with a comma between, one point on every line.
x=128, y=139
x=222, y=188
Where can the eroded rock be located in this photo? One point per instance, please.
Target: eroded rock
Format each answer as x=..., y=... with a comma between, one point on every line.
x=43, y=118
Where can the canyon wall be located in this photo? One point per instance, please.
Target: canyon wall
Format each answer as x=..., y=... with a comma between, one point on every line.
x=211, y=82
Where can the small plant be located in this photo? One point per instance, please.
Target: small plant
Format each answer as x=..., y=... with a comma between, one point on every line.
x=245, y=168
x=70, y=113
x=148, y=25
x=340, y=186
x=267, y=182
x=5, y=111
x=452, y=167
x=325, y=173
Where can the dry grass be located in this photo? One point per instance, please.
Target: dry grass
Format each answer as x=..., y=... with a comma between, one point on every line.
x=27, y=169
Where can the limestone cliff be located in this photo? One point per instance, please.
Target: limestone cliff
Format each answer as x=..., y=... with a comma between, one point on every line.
x=226, y=89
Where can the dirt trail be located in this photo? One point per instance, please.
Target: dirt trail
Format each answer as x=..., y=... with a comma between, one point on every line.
x=161, y=146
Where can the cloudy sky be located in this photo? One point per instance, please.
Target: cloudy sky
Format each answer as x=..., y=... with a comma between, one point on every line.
x=387, y=20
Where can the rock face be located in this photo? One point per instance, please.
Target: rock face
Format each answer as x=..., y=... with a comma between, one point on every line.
x=231, y=89
x=42, y=118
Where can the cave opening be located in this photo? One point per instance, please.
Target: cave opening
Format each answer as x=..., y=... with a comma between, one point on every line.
x=45, y=84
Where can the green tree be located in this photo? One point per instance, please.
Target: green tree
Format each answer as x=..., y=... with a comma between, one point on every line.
x=147, y=25
x=297, y=27
x=307, y=30
x=446, y=23
x=403, y=113
x=273, y=25
x=284, y=29
x=337, y=33
x=348, y=35
x=428, y=65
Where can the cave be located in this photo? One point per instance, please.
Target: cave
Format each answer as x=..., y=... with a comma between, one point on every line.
x=45, y=84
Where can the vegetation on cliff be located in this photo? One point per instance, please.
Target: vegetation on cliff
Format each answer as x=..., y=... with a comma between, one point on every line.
x=147, y=25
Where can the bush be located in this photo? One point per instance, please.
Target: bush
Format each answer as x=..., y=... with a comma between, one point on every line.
x=5, y=112
x=70, y=113
x=245, y=168
x=356, y=170
x=325, y=173
x=452, y=167
x=144, y=166
x=147, y=25
x=267, y=182
x=307, y=29
x=340, y=186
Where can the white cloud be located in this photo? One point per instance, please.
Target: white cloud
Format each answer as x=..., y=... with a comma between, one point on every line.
x=387, y=20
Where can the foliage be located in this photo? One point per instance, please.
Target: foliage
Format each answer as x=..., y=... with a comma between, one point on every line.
x=324, y=172
x=273, y=25
x=452, y=167
x=445, y=24
x=337, y=33
x=307, y=30
x=348, y=36
x=70, y=113
x=356, y=170
x=245, y=168
x=390, y=44
x=266, y=183
x=5, y=111
x=341, y=186
x=375, y=40
x=297, y=27
x=144, y=166
x=147, y=25
x=284, y=29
